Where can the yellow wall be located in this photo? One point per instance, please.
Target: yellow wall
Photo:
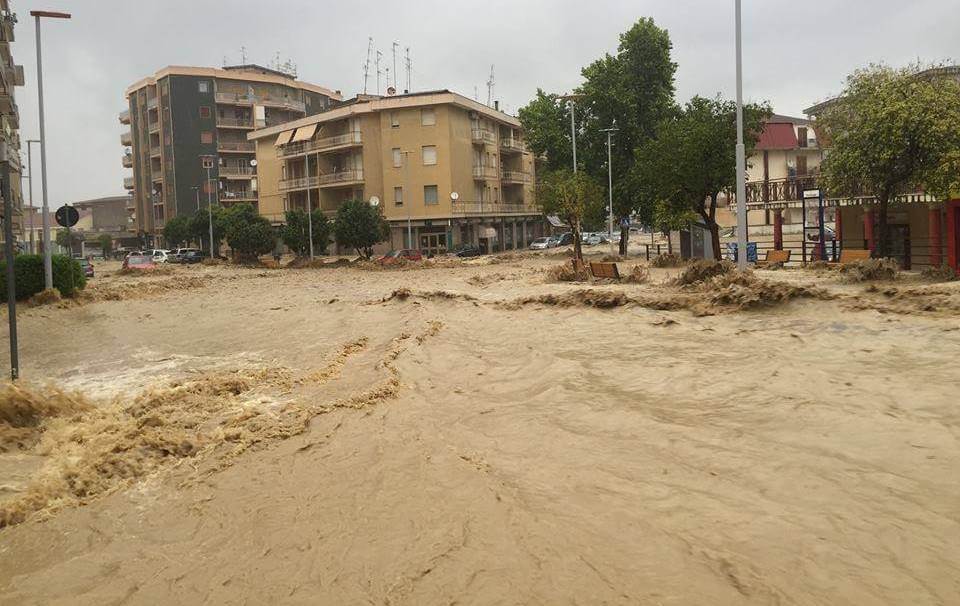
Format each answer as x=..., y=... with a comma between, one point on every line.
x=270, y=201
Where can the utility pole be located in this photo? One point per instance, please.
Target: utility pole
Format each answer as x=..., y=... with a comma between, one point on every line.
x=572, y=98
x=208, y=161
x=409, y=68
x=610, y=132
x=407, y=200
x=366, y=65
x=8, y=255
x=310, y=202
x=394, y=47
x=33, y=235
x=377, y=65
x=490, y=84
x=741, y=156
x=47, y=252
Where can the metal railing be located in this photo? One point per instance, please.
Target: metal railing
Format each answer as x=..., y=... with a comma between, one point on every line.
x=298, y=183
x=237, y=171
x=128, y=182
x=482, y=135
x=154, y=126
x=125, y=117
x=128, y=161
x=237, y=146
x=126, y=138
x=511, y=144
x=515, y=176
x=327, y=143
x=247, y=99
x=152, y=103
x=342, y=176
x=462, y=207
x=237, y=196
x=234, y=122
x=484, y=172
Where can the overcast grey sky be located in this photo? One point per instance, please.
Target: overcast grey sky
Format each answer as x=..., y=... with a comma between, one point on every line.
x=794, y=53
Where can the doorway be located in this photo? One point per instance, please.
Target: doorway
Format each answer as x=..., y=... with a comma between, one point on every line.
x=898, y=244
x=433, y=244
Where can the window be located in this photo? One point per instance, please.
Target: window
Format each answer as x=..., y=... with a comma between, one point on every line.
x=394, y=119
x=427, y=117
x=802, y=136
x=801, y=165
x=204, y=111
x=206, y=136
x=429, y=155
x=397, y=158
x=398, y=196
x=203, y=86
x=430, y=194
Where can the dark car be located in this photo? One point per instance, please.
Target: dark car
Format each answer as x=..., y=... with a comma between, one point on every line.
x=191, y=256
x=466, y=250
x=566, y=239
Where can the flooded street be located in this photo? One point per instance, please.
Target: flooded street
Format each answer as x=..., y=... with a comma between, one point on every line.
x=485, y=436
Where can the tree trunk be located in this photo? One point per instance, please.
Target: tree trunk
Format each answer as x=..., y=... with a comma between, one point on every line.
x=624, y=240
x=715, y=239
x=577, y=251
x=669, y=241
x=882, y=226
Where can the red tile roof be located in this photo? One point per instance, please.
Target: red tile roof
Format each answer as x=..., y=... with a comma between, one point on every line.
x=777, y=135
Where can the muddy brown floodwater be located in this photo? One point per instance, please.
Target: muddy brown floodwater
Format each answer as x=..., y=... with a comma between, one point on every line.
x=475, y=433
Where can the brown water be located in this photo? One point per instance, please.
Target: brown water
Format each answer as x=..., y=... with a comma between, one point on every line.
x=474, y=450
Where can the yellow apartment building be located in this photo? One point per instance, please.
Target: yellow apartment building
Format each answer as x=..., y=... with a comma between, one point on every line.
x=446, y=169
x=11, y=76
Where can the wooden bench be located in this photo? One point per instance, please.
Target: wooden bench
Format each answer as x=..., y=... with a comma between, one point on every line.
x=774, y=257
x=852, y=255
x=604, y=270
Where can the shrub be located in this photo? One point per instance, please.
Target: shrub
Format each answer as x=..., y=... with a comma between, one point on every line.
x=667, y=260
x=944, y=273
x=638, y=275
x=568, y=272
x=870, y=269
x=360, y=226
x=703, y=269
x=28, y=274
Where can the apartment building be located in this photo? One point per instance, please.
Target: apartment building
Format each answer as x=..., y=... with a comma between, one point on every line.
x=11, y=76
x=445, y=169
x=190, y=122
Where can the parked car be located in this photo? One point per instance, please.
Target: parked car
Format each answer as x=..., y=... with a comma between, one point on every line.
x=192, y=256
x=591, y=240
x=466, y=250
x=160, y=255
x=87, y=267
x=394, y=256
x=139, y=262
x=553, y=241
x=565, y=239
x=540, y=244
x=176, y=256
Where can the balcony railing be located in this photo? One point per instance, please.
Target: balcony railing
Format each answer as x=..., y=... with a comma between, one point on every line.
x=320, y=145
x=510, y=144
x=236, y=146
x=125, y=117
x=780, y=190
x=153, y=126
x=482, y=135
x=462, y=207
x=234, y=122
x=238, y=196
x=128, y=182
x=154, y=151
x=298, y=183
x=484, y=172
x=343, y=176
x=514, y=176
x=126, y=139
x=237, y=171
x=247, y=99
x=127, y=161
x=152, y=103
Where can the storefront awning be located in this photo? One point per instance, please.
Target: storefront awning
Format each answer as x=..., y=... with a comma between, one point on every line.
x=555, y=221
x=284, y=138
x=304, y=133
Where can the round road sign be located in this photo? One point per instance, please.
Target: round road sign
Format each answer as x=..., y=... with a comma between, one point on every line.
x=67, y=216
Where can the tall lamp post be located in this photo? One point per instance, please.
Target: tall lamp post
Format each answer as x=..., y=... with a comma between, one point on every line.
x=407, y=200
x=741, y=157
x=572, y=98
x=33, y=235
x=610, y=132
x=47, y=252
x=208, y=164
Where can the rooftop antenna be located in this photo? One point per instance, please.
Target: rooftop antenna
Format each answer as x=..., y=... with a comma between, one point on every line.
x=243, y=55
x=366, y=65
x=476, y=93
x=395, y=46
x=377, y=65
x=409, y=68
x=224, y=60
x=490, y=84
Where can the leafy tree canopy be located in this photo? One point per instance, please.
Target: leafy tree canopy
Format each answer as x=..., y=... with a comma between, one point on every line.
x=360, y=226
x=247, y=232
x=296, y=231
x=177, y=231
x=573, y=197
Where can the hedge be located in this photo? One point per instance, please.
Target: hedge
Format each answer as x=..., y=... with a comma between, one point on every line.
x=28, y=272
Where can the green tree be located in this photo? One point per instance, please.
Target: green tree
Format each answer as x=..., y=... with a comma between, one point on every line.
x=546, y=123
x=247, y=232
x=106, y=244
x=360, y=226
x=69, y=238
x=693, y=158
x=200, y=227
x=890, y=131
x=572, y=197
x=177, y=231
x=296, y=232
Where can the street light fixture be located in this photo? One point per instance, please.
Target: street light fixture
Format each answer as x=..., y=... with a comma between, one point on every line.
x=33, y=235
x=741, y=156
x=47, y=252
x=610, y=132
x=572, y=98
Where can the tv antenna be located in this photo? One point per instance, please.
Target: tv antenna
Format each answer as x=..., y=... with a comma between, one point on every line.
x=409, y=69
x=377, y=65
x=366, y=65
x=243, y=55
x=490, y=84
x=394, y=48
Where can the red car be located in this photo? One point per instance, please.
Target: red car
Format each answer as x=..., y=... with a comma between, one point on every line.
x=394, y=256
x=139, y=262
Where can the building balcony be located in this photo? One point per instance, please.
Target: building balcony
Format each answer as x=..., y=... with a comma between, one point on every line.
x=125, y=117
x=128, y=161
x=6, y=27
x=511, y=145
x=234, y=98
x=128, y=182
x=482, y=136
x=298, y=183
x=779, y=190
x=327, y=144
x=514, y=177
x=343, y=177
x=241, y=147
x=290, y=104
x=227, y=98
x=238, y=172
x=152, y=103
x=126, y=138
x=155, y=151
x=153, y=127
x=476, y=209
x=484, y=172
x=245, y=195
x=235, y=123
x=156, y=175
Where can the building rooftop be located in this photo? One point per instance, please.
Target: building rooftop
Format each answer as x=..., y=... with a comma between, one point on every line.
x=247, y=73
x=777, y=135
x=952, y=71
x=363, y=104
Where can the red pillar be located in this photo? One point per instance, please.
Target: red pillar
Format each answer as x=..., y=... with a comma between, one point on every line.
x=953, y=233
x=868, y=229
x=838, y=226
x=936, y=239
x=778, y=229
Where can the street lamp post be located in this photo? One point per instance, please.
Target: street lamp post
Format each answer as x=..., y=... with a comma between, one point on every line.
x=47, y=252
x=741, y=156
x=407, y=201
x=33, y=235
x=610, y=132
x=209, y=164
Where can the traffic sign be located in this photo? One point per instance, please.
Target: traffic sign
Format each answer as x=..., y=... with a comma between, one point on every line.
x=67, y=216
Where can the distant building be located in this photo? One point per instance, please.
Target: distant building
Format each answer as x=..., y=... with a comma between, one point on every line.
x=11, y=76
x=180, y=114
x=444, y=168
